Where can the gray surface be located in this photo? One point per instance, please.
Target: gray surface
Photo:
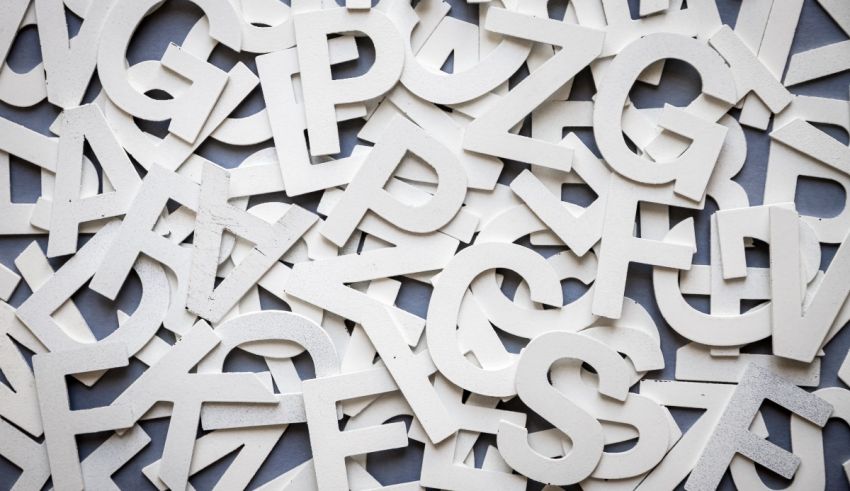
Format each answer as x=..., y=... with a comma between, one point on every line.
x=678, y=86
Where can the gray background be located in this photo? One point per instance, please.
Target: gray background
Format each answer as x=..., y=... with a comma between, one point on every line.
x=679, y=85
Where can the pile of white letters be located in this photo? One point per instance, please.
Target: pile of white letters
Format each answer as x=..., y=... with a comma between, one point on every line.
x=459, y=184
